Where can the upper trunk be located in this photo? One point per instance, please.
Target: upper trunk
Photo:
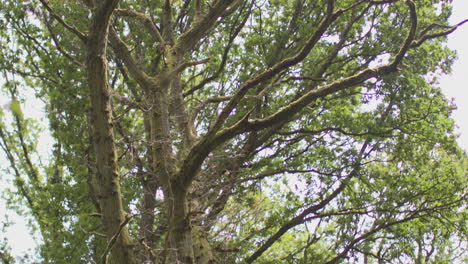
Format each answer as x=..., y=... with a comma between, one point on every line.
x=113, y=215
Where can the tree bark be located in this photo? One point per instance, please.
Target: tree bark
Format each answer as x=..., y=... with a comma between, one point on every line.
x=108, y=178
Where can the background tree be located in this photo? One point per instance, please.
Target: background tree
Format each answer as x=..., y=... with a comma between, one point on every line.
x=233, y=131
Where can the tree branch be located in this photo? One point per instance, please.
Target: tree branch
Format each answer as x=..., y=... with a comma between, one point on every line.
x=233, y=34
x=147, y=22
x=214, y=137
x=70, y=28
x=299, y=219
x=277, y=68
x=113, y=240
x=190, y=38
x=167, y=30
x=180, y=68
x=19, y=181
x=121, y=50
x=59, y=47
x=411, y=35
x=424, y=36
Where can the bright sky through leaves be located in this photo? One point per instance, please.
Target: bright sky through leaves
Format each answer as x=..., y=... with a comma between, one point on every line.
x=455, y=86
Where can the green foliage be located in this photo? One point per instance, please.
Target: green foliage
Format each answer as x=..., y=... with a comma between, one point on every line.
x=369, y=171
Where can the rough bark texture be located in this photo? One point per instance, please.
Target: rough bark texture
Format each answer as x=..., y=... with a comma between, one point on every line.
x=176, y=153
x=110, y=198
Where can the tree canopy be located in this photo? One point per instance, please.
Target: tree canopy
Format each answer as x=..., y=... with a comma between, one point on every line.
x=234, y=131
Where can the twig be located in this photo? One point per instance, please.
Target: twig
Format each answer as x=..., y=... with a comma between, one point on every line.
x=185, y=65
x=113, y=240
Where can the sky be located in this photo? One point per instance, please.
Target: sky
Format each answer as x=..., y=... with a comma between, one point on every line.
x=454, y=86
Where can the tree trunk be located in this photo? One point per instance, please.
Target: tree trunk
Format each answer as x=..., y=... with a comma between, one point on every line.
x=107, y=171
x=179, y=239
x=108, y=178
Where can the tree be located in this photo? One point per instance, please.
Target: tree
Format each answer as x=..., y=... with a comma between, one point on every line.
x=235, y=131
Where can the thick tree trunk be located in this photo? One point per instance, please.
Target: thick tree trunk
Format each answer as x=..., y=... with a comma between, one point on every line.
x=179, y=244
x=147, y=232
x=113, y=215
x=197, y=203
x=179, y=239
x=107, y=171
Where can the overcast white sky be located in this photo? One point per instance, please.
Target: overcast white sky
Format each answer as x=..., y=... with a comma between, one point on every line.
x=454, y=86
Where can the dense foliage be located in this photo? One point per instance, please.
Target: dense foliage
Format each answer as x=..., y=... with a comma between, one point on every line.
x=234, y=131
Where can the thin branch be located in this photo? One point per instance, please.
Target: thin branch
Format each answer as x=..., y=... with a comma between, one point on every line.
x=135, y=104
x=59, y=47
x=302, y=78
x=70, y=28
x=383, y=134
x=233, y=34
x=364, y=236
x=147, y=22
x=283, y=171
x=18, y=120
x=218, y=99
x=185, y=65
x=299, y=219
x=113, y=240
x=423, y=37
x=182, y=13
x=19, y=181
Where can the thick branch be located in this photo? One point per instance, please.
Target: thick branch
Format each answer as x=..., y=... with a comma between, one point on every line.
x=198, y=9
x=167, y=30
x=411, y=35
x=190, y=38
x=110, y=196
x=121, y=50
x=213, y=139
x=101, y=21
x=271, y=72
